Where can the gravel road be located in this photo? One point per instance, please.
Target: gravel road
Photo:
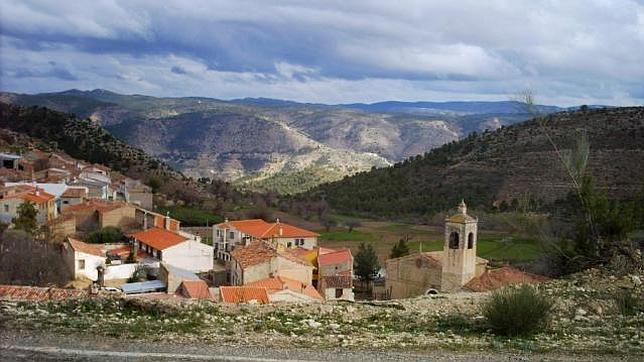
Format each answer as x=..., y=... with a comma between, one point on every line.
x=30, y=346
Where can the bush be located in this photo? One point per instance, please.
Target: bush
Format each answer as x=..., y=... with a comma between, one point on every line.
x=108, y=234
x=517, y=311
x=627, y=304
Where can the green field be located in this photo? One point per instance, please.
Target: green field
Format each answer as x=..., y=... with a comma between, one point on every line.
x=494, y=246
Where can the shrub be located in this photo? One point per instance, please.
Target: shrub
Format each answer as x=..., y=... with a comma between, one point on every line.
x=108, y=234
x=517, y=311
x=627, y=304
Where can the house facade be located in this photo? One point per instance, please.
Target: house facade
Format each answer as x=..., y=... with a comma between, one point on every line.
x=258, y=260
x=178, y=249
x=229, y=234
x=335, y=274
x=83, y=259
x=13, y=197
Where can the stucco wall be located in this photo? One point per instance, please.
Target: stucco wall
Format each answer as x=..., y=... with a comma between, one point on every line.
x=122, y=218
x=347, y=294
x=309, y=243
x=91, y=262
x=190, y=255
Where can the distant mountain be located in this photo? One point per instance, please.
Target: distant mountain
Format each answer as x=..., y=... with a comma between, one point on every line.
x=515, y=162
x=286, y=146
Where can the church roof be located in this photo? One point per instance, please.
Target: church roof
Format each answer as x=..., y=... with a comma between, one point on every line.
x=461, y=218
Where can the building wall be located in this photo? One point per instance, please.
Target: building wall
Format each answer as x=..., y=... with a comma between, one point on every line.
x=347, y=294
x=86, y=220
x=62, y=228
x=122, y=218
x=69, y=201
x=411, y=276
x=309, y=243
x=46, y=211
x=459, y=265
x=293, y=270
x=190, y=255
x=143, y=199
x=91, y=263
x=334, y=269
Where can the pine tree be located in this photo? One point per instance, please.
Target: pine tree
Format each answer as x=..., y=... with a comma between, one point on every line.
x=400, y=248
x=366, y=263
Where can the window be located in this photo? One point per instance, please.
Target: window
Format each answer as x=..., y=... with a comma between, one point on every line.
x=81, y=264
x=65, y=202
x=231, y=235
x=470, y=240
x=289, y=244
x=6, y=208
x=218, y=232
x=453, y=240
x=338, y=293
x=299, y=242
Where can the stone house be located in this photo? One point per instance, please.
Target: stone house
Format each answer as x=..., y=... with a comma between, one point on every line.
x=447, y=270
x=258, y=260
x=282, y=289
x=229, y=234
x=96, y=214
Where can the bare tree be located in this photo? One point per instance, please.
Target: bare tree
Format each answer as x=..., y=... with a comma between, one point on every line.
x=26, y=261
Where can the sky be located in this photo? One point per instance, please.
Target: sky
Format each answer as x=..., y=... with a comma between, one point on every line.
x=567, y=52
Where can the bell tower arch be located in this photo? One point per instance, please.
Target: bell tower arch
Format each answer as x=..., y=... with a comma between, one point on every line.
x=459, y=250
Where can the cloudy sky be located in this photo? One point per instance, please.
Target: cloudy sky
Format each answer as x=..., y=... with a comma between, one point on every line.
x=568, y=52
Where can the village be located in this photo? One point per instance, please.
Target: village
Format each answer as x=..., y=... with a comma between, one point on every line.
x=249, y=261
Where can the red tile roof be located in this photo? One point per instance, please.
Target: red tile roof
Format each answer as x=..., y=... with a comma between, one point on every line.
x=273, y=285
x=159, y=239
x=256, y=252
x=86, y=248
x=74, y=192
x=261, y=229
x=335, y=257
x=36, y=196
x=243, y=294
x=16, y=292
x=197, y=289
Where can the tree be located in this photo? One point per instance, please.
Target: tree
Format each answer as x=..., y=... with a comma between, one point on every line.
x=351, y=224
x=400, y=248
x=328, y=222
x=106, y=235
x=25, y=261
x=26, y=220
x=366, y=263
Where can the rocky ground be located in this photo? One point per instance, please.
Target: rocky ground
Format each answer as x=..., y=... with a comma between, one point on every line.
x=586, y=322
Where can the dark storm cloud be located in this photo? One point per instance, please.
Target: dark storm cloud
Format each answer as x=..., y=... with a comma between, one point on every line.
x=573, y=51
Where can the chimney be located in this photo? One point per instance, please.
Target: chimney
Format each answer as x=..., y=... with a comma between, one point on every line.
x=37, y=192
x=281, y=231
x=167, y=220
x=277, y=220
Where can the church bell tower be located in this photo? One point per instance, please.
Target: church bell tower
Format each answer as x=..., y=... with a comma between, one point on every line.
x=459, y=250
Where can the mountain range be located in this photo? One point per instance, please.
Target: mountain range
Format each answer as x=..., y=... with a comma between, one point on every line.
x=512, y=165
x=284, y=146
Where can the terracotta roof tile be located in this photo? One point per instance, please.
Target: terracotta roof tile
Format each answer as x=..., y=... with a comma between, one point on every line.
x=86, y=248
x=256, y=252
x=159, y=239
x=336, y=257
x=15, y=292
x=197, y=289
x=31, y=194
x=75, y=192
x=261, y=229
x=243, y=294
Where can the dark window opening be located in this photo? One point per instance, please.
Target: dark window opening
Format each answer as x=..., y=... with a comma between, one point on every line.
x=453, y=240
x=470, y=241
x=338, y=293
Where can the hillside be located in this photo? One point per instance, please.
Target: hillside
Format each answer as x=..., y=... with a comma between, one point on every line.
x=85, y=140
x=515, y=162
x=273, y=144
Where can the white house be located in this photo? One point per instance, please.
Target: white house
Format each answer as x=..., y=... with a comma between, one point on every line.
x=176, y=248
x=83, y=259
